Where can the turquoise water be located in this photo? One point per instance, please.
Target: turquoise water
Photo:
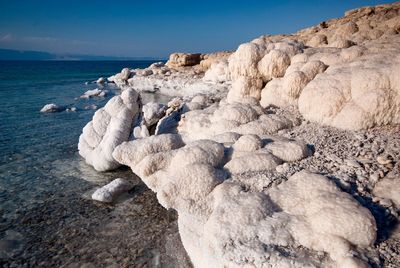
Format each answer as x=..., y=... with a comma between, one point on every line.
x=41, y=172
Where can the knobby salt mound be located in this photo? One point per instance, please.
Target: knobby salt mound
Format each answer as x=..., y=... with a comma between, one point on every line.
x=223, y=225
x=110, y=126
x=345, y=76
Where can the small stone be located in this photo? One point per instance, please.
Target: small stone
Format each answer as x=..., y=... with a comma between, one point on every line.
x=352, y=163
x=384, y=159
x=385, y=202
x=374, y=177
x=282, y=168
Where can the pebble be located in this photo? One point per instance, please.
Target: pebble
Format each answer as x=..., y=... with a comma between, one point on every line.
x=383, y=159
x=374, y=177
x=352, y=163
x=282, y=168
x=385, y=202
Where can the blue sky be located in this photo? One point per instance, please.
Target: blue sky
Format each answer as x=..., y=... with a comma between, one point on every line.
x=155, y=28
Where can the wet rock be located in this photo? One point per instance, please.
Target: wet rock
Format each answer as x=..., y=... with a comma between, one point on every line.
x=111, y=191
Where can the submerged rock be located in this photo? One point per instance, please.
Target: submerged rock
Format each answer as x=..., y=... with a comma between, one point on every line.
x=111, y=191
x=101, y=81
x=94, y=93
x=50, y=108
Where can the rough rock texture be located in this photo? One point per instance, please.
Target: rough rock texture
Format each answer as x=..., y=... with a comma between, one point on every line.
x=207, y=60
x=389, y=189
x=235, y=117
x=152, y=113
x=223, y=225
x=256, y=63
x=359, y=94
x=110, y=126
x=179, y=81
x=183, y=59
x=345, y=76
x=218, y=72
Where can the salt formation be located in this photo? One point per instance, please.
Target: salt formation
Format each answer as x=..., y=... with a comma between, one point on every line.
x=110, y=126
x=256, y=63
x=223, y=225
x=349, y=69
x=50, y=108
x=235, y=117
x=183, y=59
x=389, y=188
x=111, y=191
x=227, y=161
x=101, y=81
x=152, y=113
x=359, y=94
x=121, y=78
x=94, y=93
x=181, y=76
x=217, y=73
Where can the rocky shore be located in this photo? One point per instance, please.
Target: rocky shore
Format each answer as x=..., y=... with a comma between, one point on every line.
x=283, y=153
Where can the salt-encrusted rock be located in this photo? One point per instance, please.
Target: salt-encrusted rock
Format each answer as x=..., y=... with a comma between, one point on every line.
x=389, y=189
x=143, y=72
x=121, y=78
x=131, y=153
x=222, y=225
x=72, y=109
x=110, y=126
x=326, y=211
x=226, y=137
x=318, y=40
x=50, y=108
x=101, y=80
x=248, y=143
x=111, y=191
x=218, y=72
x=91, y=107
x=94, y=93
x=290, y=150
x=207, y=60
x=257, y=62
x=236, y=117
x=183, y=59
x=153, y=112
x=140, y=132
x=356, y=95
x=252, y=162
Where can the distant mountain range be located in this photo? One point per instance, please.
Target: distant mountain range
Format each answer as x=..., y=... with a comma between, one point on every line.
x=11, y=54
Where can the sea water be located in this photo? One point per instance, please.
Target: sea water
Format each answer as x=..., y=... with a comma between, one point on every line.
x=46, y=215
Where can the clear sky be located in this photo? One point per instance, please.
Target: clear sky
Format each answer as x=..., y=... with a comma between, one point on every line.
x=155, y=28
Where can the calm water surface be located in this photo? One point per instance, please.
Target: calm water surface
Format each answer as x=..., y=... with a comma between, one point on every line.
x=46, y=217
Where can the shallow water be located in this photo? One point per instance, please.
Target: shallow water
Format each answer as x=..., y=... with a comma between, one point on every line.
x=46, y=218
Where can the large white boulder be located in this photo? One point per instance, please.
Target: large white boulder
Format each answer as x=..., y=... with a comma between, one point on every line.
x=109, y=127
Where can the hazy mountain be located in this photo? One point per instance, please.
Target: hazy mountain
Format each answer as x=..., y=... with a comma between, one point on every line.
x=11, y=54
